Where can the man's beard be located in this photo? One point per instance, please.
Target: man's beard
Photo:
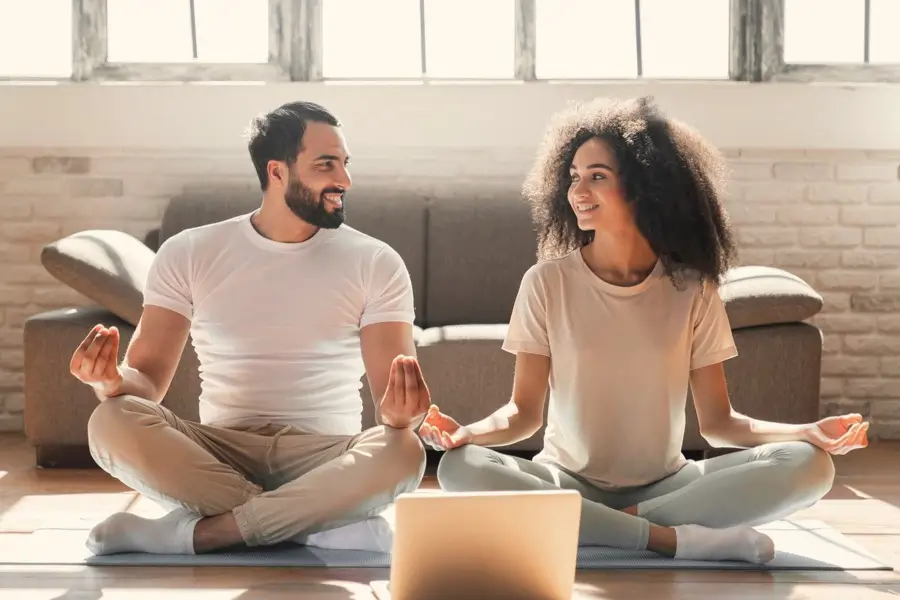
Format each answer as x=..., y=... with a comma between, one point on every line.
x=302, y=202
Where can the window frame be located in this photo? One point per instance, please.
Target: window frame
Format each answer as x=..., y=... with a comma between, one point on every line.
x=756, y=52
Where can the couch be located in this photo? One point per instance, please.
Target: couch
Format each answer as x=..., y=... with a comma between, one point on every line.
x=466, y=247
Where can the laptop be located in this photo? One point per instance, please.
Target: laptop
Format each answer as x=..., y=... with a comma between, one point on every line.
x=483, y=545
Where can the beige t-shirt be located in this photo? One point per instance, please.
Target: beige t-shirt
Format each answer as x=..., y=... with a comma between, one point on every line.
x=620, y=365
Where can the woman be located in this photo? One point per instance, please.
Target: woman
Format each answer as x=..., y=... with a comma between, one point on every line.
x=618, y=317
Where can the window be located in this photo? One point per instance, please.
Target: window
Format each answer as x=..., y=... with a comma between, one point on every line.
x=433, y=40
x=35, y=38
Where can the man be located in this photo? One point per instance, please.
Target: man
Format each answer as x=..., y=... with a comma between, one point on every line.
x=287, y=308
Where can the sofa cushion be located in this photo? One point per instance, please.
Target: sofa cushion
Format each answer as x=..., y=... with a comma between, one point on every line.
x=756, y=295
x=109, y=267
x=481, y=240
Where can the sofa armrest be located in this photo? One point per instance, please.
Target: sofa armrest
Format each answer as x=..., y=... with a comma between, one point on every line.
x=756, y=296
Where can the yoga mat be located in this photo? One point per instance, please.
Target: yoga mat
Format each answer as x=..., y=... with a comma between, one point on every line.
x=802, y=545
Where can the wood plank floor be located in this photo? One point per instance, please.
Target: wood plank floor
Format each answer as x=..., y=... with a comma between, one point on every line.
x=864, y=505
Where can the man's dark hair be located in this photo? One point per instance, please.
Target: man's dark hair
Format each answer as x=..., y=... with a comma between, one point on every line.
x=672, y=178
x=278, y=135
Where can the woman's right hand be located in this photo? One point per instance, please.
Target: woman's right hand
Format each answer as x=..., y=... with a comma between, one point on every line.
x=95, y=361
x=442, y=432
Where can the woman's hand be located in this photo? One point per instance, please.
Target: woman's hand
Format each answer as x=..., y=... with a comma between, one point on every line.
x=840, y=434
x=442, y=432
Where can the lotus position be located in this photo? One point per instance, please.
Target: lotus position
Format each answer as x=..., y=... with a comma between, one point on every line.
x=287, y=308
x=618, y=317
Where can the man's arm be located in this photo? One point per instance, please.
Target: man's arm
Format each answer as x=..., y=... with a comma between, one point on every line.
x=381, y=344
x=722, y=426
x=153, y=354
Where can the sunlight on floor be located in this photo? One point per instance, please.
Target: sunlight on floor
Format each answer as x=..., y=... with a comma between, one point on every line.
x=121, y=593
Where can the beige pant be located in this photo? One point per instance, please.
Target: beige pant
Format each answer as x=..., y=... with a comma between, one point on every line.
x=278, y=481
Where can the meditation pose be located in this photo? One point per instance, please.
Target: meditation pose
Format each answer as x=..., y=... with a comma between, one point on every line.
x=618, y=317
x=287, y=309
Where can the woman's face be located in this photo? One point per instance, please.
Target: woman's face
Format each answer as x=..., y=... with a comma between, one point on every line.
x=595, y=192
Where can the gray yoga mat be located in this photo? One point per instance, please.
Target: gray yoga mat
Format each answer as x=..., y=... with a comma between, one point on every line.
x=821, y=549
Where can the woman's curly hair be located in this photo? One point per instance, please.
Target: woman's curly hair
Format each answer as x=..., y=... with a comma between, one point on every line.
x=672, y=178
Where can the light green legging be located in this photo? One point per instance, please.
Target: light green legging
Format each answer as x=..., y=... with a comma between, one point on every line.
x=748, y=487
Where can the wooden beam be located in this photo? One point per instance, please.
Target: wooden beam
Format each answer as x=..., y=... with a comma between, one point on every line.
x=526, y=33
x=89, y=37
x=189, y=72
x=853, y=73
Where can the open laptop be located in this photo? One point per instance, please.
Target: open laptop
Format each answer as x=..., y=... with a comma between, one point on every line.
x=484, y=545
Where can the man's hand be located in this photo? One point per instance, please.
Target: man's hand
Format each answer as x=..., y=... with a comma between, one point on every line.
x=95, y=361
x=443, y=432
x=407, y=397
x=840, y=434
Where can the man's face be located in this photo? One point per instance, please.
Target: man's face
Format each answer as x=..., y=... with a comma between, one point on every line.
x=317, y=181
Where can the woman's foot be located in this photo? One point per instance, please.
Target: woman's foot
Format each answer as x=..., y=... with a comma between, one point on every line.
x=741, y=543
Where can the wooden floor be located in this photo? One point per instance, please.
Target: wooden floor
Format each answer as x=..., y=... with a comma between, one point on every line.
x=864, y=505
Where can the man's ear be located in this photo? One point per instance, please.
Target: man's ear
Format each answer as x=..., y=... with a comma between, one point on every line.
x=276, y=172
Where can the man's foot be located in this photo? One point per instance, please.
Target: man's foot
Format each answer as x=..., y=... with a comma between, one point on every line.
x=374, y=534
x=125, y=532
x=695, y=542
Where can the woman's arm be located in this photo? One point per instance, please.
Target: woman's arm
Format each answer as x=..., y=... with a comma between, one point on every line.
x=523, y=415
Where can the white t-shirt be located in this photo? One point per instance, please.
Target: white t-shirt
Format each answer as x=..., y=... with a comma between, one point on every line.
x=620, y=365
x=276, y=325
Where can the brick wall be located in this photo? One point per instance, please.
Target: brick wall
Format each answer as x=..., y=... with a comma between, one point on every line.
x=830, y=217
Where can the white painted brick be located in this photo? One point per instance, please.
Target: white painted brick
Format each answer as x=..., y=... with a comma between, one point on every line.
x=14, y=208
x=807, y=259
x=884, y=194
x=803, y=171
x=766, y=236
x=883, y=302
x=884, y=216
x=830, y=237
x=889, y=281
x=12, y=359
x=835, y=155
x=57, y=296
x=746, y=214
x=756, y=256
x=154, y=186
x=14, y=402
x=872, y=344
x=835, y=302
x=12, y=379
x=776, y=193
x=24, y=274
x=872, y=388
x=11, y=295
x=870, y=259
x=844, y=407
x=890, y=366
x=121, y=166
x=93, y=187
x=30, y=232
x=847, y=280
x=68, y=165
x=832, y=344
x=9, y=422
x=101, y=209
x=886, y=408
x=837, y=193
x=772, y=154
x=888, y=324
x=844, y=323
x=883, y=154
x=832, y=387
x=16, y=316
x=808, y=215
x=867, y=171
x=34, y=186
x=837, y=366
x=750, y=171
x=13, y=166
x=882, y=237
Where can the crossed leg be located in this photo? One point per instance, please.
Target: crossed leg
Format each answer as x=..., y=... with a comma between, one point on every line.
x=705, y=511
x=221, y=480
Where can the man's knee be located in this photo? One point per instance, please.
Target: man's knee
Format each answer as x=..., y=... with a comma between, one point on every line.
x=406, y=453
x=113, y=422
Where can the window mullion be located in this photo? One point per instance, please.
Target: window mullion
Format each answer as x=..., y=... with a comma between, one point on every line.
x=89, y=37
x=526, y=33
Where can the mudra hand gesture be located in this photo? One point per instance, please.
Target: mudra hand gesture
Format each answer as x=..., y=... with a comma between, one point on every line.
x=840, y=434
x=95, y=361
x=407, y=397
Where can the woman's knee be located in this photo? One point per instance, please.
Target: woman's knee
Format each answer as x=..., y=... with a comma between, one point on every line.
x=460, y=469
x=810, y=467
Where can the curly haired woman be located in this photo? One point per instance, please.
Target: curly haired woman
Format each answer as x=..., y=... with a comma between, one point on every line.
x=620, y=314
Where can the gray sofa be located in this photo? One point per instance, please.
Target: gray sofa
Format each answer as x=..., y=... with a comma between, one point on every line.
x=466, y=248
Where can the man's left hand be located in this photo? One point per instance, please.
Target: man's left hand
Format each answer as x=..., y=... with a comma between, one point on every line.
x=406, y=398
x=839, y=434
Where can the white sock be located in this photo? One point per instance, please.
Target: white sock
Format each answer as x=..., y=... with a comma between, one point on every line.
x=374, y=534
x=695, y=542
x=125, y=532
